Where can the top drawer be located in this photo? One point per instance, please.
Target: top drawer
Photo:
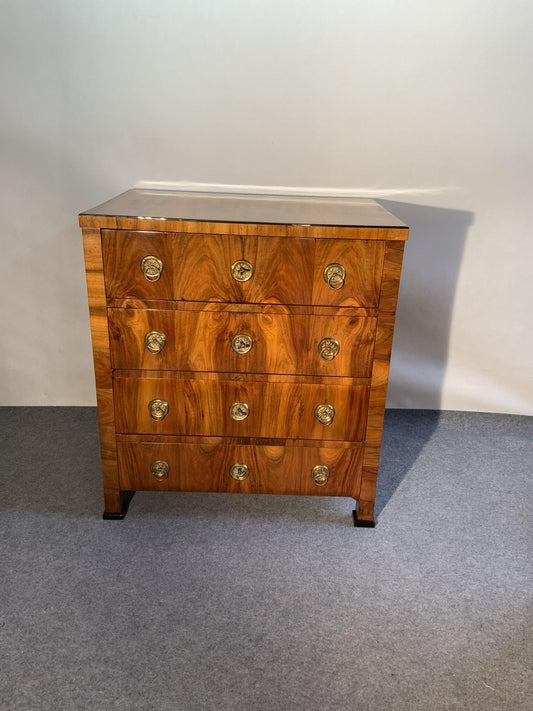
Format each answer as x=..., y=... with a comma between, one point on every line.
x=227, y=268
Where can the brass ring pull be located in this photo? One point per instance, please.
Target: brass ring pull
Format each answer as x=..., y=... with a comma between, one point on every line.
x=242, y=343
x=239, y=471
x=242, y=270
x=320, y=474
x=158, y=409
x=325, y=413
x=160, y=469
x=155, y=341
x=334, y=275
x=239, y=411
x=328, y=348
x=151, y=267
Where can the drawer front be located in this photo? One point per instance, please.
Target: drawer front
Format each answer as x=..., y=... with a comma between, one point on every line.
x=241, y=342
x=211, y=407
x=282, y=270
x=269, y=469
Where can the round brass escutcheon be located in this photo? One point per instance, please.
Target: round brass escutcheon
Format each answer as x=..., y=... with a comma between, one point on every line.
x=239, y=411
x=325, y=413
x=155, y=341
x=242, y=343
x=160, y=469
x=239, y=471
x=158, y=409
x=328, y=348
x=242, y=270
x=334, y=275
x=151, y=267
x=320, y=474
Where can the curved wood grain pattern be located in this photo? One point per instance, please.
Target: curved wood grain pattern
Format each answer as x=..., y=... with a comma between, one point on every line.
x=204, y=466
x=261, y=441
x=363, y=262
x=277, y=409
x=197, y=268
x=240, y=377
x=201, y=341
x=217, y=306
x=286, y=307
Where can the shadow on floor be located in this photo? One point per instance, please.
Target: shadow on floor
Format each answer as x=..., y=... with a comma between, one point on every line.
x=406, y=433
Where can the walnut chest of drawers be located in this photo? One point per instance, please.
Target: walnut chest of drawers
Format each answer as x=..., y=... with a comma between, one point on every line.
x=241, y=343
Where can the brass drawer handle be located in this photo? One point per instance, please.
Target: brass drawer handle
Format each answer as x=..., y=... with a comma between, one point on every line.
x=334, y=275
x=320, y=474
x=160, y=469
x=242, y=270
x=151, y=267
x=155, y=341
x=158, y=409
x=328, y=348
x=239, y=471
x=325, y=413
x=242, y=343
x=239, y=411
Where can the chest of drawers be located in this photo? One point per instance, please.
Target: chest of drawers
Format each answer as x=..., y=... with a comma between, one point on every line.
x=241, y=343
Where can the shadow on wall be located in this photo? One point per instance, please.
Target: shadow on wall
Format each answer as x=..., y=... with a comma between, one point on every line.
x=431, y=267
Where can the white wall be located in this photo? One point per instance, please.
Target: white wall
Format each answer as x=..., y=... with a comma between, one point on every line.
x=428, y=105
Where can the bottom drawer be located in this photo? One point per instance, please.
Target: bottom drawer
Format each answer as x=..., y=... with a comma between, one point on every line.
x=266, y=469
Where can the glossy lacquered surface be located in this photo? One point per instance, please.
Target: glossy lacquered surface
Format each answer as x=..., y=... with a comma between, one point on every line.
x=198, y=267
x=204, y=341
x=220, y=207
x=199, y=406
x=241, y=353
x=272, y=469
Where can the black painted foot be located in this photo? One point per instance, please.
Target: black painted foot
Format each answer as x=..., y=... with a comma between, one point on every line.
x=358, y=523
x=127, y=496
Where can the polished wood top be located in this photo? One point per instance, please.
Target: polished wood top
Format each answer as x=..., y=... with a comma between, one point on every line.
x=256, y=209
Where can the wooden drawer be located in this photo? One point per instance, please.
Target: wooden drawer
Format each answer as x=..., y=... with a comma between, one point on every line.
x=277, y=409
x=272, y=469
x=197, y=267
x=202, y=341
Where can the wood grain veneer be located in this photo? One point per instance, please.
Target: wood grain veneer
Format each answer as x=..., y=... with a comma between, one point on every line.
x=276, y=409
x=102, y=367
x=197, y=267
x=274, y=469
x=286, y=308
x=269, y=215
x=216, y=306
x=282, y=343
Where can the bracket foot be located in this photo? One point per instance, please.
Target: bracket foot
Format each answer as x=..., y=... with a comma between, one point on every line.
x=127, y=496
x=359, y=523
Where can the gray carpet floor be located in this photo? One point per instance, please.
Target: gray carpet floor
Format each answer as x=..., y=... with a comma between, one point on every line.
x=210, y=601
